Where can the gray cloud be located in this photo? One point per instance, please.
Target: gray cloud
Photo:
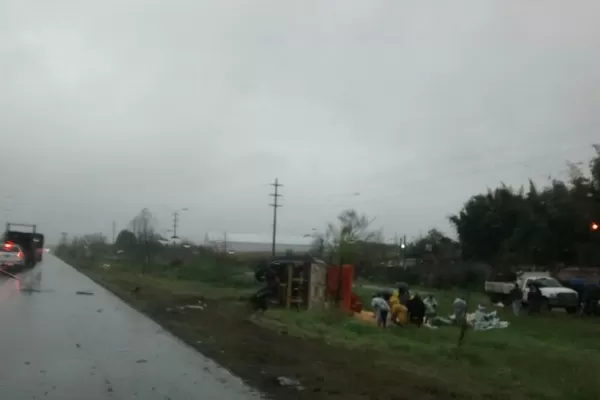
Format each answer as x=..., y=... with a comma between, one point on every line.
x=123, y=104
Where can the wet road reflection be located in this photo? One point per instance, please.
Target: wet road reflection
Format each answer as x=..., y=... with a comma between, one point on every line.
x=55, y=344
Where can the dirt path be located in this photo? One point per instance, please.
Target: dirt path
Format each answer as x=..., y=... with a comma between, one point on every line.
x=262, y=354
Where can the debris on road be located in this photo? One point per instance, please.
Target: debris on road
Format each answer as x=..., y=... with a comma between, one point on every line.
x=30, y=290
x=195, y=307
x=290, y=383
x=84, y=293
x=141, y=361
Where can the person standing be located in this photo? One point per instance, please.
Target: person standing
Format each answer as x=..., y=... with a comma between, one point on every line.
x=430, y=308
x=416, y=310
x=381, y=308
x=460, y=310
x=403, y=295
x=590, y=298
x=399, y=313
x=534, y=299
x=516, y=297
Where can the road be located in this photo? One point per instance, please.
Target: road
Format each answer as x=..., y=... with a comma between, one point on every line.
x=56, y=344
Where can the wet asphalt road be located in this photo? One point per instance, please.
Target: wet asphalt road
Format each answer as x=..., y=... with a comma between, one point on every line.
x=55, y=344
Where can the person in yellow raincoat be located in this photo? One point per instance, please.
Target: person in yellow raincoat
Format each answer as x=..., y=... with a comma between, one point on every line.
x=399, y=313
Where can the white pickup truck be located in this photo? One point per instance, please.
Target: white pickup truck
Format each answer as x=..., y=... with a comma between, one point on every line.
x=555, y=294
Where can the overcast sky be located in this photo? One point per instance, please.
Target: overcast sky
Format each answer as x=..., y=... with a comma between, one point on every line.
x=110, y=106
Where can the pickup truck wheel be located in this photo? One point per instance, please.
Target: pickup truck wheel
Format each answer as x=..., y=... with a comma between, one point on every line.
x=571, y=310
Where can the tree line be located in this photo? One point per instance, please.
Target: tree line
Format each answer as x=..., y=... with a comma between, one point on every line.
x=551, y=226
x=548, y=226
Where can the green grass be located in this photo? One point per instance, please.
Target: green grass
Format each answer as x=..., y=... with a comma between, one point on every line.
x=555, y=356
x=539, y=357
x=221, y=282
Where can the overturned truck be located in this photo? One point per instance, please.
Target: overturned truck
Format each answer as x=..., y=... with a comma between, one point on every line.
x=291, y=282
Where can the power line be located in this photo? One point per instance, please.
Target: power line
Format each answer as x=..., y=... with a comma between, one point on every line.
x=275, y=206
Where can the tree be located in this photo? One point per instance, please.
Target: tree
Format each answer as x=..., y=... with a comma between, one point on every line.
x=342, y=239
x=547, y=226
x=126, y=240
x=143, y=226
x=435, y=243
x=318, y=245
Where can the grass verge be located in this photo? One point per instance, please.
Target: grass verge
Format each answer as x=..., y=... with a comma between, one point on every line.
x=546, y=357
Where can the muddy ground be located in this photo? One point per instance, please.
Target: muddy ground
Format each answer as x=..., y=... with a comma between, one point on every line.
x=260, y=352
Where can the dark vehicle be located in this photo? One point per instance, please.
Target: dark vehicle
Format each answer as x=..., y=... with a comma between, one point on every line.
x=38, y=238
x=27, y=241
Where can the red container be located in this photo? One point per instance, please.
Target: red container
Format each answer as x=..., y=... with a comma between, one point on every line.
x=348, y=301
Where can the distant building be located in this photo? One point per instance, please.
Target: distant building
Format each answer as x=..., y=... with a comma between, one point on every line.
x=257, y=243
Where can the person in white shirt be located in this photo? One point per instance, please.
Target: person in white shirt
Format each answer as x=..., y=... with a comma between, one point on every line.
x=381, y=308
x=430, y=308
x=460, y=309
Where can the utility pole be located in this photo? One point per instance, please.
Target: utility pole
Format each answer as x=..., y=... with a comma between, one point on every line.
x=275, y=205
x=63, y=238
x=225, y=242
x=114, y=230
x=175, y=223
x=403, y=247
x=397, y=243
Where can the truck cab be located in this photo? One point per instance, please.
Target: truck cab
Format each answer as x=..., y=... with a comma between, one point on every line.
x=555, y=294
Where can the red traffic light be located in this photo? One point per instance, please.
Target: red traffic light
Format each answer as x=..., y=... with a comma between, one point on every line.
x=594, y=226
